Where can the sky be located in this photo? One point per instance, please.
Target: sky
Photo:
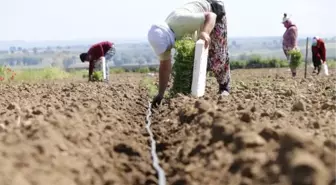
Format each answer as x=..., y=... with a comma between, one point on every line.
x=33, y=20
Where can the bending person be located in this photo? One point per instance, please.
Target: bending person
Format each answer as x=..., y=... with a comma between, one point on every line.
x=208, y=18
x=96, y=52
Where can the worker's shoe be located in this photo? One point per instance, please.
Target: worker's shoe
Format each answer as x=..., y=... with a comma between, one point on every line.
x=225, y=93
x=318, y=70
x=223, y=90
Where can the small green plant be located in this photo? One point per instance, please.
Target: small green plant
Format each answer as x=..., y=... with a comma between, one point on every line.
x=295, y=56
x=183, y=66
x=149, y=84
x=97, y=76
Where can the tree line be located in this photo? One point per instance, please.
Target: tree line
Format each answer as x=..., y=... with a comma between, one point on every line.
x=142, y=54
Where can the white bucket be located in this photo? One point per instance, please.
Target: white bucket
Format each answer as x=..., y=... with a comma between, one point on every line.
x=325, y=69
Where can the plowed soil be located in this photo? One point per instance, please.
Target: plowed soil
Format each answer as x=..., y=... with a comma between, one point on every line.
x=271, y=130
x=68, y=133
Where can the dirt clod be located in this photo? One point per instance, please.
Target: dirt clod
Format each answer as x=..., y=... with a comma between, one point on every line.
x=246, y=116
x=202, y=106
x=306, y=169
x=299, y=106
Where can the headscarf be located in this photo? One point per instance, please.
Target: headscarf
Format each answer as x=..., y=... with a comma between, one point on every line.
x=83, y=56
x=314, y=41
x=218, y=8
x=161, y=38
x=286, y=18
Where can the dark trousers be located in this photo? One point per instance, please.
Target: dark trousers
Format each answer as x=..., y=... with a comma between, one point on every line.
x=317, y=64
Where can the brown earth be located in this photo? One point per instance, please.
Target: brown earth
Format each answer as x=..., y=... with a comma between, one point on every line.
x=68, y=133
x=270, y=130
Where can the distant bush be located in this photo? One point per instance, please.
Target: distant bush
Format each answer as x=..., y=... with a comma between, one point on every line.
x=257, y=62
x=153, y=69
x=51, y=73
x=277, y=63
x=117, y=70
x=143, y=70
x=79, y=73
x=239, y=64
x=20, y=60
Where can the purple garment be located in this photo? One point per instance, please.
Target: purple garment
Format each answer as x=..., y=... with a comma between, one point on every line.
x=290, y=39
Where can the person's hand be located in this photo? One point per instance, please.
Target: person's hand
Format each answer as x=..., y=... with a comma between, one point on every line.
x=156, y=101
x=206, y=37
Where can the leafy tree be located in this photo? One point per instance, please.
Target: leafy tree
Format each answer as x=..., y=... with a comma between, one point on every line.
x=12, y=49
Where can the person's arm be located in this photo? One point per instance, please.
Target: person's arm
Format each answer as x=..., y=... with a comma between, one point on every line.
x=209, y=22
x=164, y=73
x=323, y=53
x=285, y=52
x=91, y=66
x=100, y=51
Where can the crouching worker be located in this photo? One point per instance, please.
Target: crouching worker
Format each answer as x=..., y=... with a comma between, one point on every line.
x=208, y=18
x=96, y=55
x=318, y=53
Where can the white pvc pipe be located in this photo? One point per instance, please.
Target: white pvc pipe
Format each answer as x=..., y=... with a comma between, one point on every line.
x=103, y=67
x=200, y=69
